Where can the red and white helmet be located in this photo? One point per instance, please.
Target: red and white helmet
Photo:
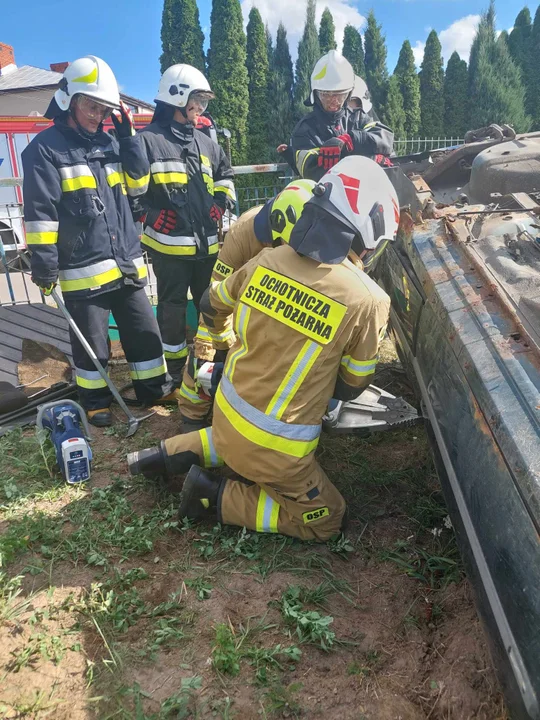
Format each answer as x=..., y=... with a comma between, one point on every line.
x=361, y=208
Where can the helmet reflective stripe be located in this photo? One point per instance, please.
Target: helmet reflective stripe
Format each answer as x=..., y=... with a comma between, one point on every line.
x=362, y=194
x=179, y=82
x=288, y=206
x=89, y=76
x=361, y=92
x=332, y=72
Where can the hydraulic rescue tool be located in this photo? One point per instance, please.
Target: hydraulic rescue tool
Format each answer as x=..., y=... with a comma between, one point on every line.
x=68, y=430
x=373, y=410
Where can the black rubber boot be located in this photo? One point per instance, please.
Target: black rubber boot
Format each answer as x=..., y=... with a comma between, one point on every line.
x=155, y=462
x=200, y=494
x=188, y=425
x=100, y=418
x=149, y=462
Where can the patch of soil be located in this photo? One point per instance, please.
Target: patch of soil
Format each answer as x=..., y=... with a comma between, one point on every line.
x=42, y=365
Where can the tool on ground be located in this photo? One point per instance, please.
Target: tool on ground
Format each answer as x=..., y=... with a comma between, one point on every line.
x=373, y=410
x=68, y=430
x=133, y=422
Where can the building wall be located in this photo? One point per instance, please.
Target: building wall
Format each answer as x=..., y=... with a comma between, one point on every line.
x=25, y=101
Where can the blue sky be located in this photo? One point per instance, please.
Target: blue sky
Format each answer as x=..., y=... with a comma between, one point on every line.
x=126, y=33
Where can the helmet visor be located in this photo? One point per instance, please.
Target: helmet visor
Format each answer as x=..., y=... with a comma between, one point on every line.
x=199, y=101
x=93, y=109
x=332, y=100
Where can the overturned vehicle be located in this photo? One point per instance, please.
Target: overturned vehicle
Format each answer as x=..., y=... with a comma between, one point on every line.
x=464, y=279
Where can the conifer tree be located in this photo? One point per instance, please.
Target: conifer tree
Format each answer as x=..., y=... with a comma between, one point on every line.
x=181, y=35
x=353, y=50
x=308, y=54
x=257, y=67
x=519, y=41
x=409, y=85
x=455, y=97
x=228, y=73
x=280, y=112
x=533, y=74
x=327, y=32
x=431, y=88
x=375, y=62
x=496, y=94
x=394, y=113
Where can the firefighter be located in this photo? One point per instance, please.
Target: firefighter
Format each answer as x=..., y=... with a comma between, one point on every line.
x=308, y=325
x=180, y=181
x=81, y=233
x=262, y=226
x=331, y=131
x=360, y=99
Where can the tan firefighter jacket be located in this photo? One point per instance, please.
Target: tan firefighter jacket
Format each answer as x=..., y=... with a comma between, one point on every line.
x=240, y=246
x=298, y=324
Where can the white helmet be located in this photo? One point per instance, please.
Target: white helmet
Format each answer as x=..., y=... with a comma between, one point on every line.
x=361, y=92
x=179, y=82
x=332, y=72
x=89, y=76
x=354, y=206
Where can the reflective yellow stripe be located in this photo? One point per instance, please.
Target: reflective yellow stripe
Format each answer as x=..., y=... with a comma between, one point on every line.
x=210, y=457
x=369, y=126
x=77, y=183
x=114, y=178
x=209, y=183
x=42, y=238
x=230, y=193
x=302, y=156
x=175, y=352
x=163, y=178
x=138, y=374
x=360, y=368
x=293, y=379
x=168, y=249
x=294, y=448
x=89, y=379
x=202, y=334
x=241, y=322
x=205, y=160
x=141, y=182
x=142, y=272
x=90, y=78
x=223, y=293
x=190, y=395
x=267, y=513
x=93, y=281
x=213, y=249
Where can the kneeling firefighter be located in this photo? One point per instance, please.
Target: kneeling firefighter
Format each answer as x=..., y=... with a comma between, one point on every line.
x=308, y=325
x=260, y=227
x=181, y=182
x=81, y=232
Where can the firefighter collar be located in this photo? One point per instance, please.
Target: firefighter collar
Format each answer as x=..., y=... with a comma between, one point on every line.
x=261, y=224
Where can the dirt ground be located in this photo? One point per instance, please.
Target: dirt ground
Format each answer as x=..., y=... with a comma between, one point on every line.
x=110, y=608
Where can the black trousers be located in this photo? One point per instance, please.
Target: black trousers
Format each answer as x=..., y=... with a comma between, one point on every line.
x=175, y=276
x=140, y=338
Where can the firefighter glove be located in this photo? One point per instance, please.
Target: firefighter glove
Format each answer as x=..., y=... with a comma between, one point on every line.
x=165, y=222
x=330, y=153
x=383, y=161
x=216, y=212
x=46, y=286
x=123, y=121
x=347, y=141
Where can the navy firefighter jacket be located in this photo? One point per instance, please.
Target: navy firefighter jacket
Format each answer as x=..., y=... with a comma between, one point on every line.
x=78, y=220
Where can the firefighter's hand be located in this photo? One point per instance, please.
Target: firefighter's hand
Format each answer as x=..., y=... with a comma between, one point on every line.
x=123, y=121
x=330, y=153
x=347, y=141
x=216, y=212
x=383, y=161
x=46, y=286
x=164, y=223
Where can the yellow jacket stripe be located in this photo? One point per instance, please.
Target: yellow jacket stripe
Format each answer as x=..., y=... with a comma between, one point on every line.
x=41, y=232
x=137, y=186
x=223, y=293
x=241, y=322
x=174, y=352
x=293, y=379
x=189, y=394
x=227, y=187
x=76, y=177
x=267, y=513
x=360, y=368
x=91, y=276
x=287, y=438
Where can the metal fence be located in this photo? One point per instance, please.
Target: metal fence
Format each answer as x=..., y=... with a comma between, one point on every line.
x=408, y=146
